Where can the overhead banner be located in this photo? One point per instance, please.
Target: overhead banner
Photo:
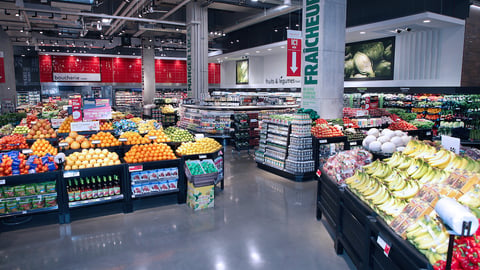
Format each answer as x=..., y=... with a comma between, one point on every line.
x=2, y=69
x=294, y=53
x=311, y=18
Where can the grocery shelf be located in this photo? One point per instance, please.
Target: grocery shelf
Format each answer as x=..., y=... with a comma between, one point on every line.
x=96, y=201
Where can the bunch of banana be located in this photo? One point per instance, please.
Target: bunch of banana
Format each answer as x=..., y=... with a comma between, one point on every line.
x=441, y=159
x=382, y=171
x=471, y=198
x=430, y=237
x=463, y=163
x=395, y=160
x=434, y=175
x=409, y=191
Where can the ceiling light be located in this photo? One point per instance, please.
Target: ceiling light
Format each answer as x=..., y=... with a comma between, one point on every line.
x=59, y=33
x=28, y=49
x=362, y=33
x=118, y=52
x=269, y=49
x=23, y=55
x=17, y=14
x=283, y=47
x=257, y=51
x=177, y=29
x=426, y=21
x=41, y=32
x=140, y=15
x=21, y=30
x=247, y=53
x=71, y=55
x=276, y=30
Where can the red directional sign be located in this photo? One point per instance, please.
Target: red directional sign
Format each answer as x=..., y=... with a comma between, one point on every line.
x=294, y=53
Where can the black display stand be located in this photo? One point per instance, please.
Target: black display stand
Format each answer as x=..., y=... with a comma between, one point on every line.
x=358, y=229
x=295, y=177
x=422, y=134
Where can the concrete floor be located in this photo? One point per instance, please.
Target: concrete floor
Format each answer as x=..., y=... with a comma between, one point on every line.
x=260, y=221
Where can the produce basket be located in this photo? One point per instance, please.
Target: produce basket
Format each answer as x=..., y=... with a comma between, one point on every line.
x=200, y=180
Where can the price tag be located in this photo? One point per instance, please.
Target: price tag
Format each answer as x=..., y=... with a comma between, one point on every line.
x=39, y=197
x=27, y=151
x=122, y=139
x=33, y=122
x=136, y=168
x=429, y=133
x=63, y=144
x=70, y=174
x=18, y=198
x=459, y=120
x=319, y=173
x=2, y=181
x=57, y=122
x=199, y=136
x=152, y=137
x=202, y=156
x=322, y=141
x=24, y=212
x=85, y=126
x=384, y=245
x=96, y=142
x=451, y=143
x=353, y=143
x=133, y=196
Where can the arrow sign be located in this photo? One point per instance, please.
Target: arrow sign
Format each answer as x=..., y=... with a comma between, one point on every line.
x=293, y=67
x=294, y=53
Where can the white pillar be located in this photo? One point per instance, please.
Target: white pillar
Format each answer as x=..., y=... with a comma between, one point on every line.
x=197, y=50
x=7, y=88
x=148, y=69
x=323, y=56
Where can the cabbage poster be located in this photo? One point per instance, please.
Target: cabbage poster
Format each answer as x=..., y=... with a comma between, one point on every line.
x=370, y=60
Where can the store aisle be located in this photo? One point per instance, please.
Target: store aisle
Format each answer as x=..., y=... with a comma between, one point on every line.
x=260, y=221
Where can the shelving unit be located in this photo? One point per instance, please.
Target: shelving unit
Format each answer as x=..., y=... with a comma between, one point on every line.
x=284, y=149
x=28, y=98
x=240, y=134
x=129, y=101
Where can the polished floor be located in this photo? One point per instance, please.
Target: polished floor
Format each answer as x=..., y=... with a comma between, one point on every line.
x=260, y=221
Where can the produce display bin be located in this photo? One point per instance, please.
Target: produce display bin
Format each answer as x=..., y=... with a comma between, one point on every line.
x=422, y=134
x=200, y=180
x=329, y=148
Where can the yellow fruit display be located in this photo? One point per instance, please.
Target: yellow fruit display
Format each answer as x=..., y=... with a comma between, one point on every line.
x=200, y=146
x=74, y=141
x=145, y=127
x=65, y=126
x=159, y=134
x=168, y=109
x=91, y=158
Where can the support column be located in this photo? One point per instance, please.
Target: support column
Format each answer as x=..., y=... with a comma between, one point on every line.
x=8, y=92
x=197, y=50
x=323, y=57
x=148, y=69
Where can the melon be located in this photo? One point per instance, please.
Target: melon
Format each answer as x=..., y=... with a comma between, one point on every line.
x=373, y=131
x=383, y=139
x=406, y=139
x=397, y=141
x=375, y=146
x=369, y=139
x=399, y=133
x=388, y=148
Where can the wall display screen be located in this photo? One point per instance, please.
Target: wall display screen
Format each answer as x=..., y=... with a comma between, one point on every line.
x=370, y=60
x=242, y=71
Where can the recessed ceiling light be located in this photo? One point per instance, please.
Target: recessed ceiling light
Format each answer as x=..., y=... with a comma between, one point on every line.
x=426, y=21
x=269, y=49
x=257, y=51
x=41, y=32
x=283, y=47
x=23, y=55
x=362, y=33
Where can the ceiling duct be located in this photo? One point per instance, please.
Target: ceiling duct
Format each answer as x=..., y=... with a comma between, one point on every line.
x=263, y=16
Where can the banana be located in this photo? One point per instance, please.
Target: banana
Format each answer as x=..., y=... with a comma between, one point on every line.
x=374, y=188
x=442, y=248
x=410, y=190
x=406, y=163
x=398, y=185
x=424, y=168
x=414, y=167
x=420, y=148
x=425, y=242
x=428, y=176
x=411, y=147
x=442, y=163
x=438, y=156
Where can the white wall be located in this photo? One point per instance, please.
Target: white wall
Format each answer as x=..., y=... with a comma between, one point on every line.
x=268, y=71
x=425, y=58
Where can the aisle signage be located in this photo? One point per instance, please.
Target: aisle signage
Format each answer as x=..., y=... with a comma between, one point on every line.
x=96, y=109
x=294, y=53
x=76, y=103
x=85, y=126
